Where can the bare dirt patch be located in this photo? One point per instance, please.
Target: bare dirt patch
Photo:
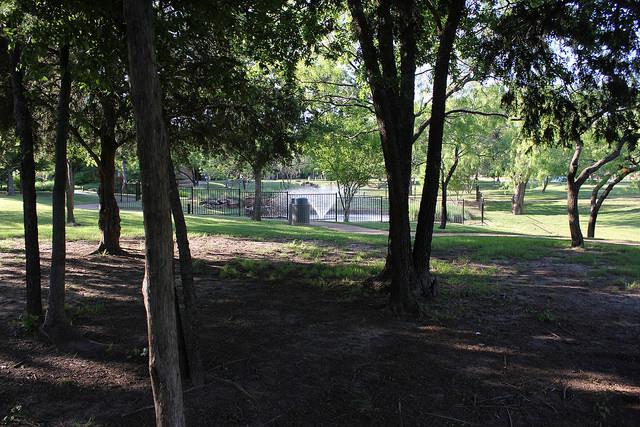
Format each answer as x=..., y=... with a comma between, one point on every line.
x=549, y=345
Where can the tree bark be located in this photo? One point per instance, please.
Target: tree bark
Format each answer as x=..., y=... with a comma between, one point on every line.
x=393, y=96
x=189, y=319
x=124, y=176
x=153, y=152
x=517, y=201
x=257, y=196
x=426, y=216
x=445, y=185
x=56, y=326
x=71, y=219
x=545, y=183
x=109, y=214
x=598, y=200
x=24, y=129
x=11, y=191
x=575, y=181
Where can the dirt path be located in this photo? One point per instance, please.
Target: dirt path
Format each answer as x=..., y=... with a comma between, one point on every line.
x=547, y=343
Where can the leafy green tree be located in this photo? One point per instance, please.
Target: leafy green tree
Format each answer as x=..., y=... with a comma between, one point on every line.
x=348, y=154
x=573, y=74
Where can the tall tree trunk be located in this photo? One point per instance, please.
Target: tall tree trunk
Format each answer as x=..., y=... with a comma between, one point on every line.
x=190, y=320
x=24, y=129
x=517, y=201
x=545, y=183
x=153, y=151
x=257, y=196
x=71, y=219
x=426, y=216
x=11, y=191
x=56, y=326
x=109, y=214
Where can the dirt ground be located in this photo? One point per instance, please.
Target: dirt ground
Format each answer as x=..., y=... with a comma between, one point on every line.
x=549, y=346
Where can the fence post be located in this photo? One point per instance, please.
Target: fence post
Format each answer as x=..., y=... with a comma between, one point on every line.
x=239, y=202
x=287, y=203
x=193, y=207
x=137, y=191
x=336, y=194
x=463, y=211
x=381, y=218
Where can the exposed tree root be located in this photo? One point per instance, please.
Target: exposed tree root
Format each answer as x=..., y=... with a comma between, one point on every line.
x=66, y=338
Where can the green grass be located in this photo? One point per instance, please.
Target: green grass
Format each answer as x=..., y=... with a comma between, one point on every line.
x=313, y=243
x=545, y=214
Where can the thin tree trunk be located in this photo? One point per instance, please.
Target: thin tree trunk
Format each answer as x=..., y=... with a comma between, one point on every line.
x=189, y=319
x=577, y=240
x=445, y=185
x=545, y=183
x=56, y=326
x=11, y=191
x=443, y=206
x=124, y=175
x=153, y=152
x=598, y=200
x=71, y=219
x=426, y=216
x=257, y=196
x=575, y=181
x=109, y=214
x=517, y=201
x=24, y=129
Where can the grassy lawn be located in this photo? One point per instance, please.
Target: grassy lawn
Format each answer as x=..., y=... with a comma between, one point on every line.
x=619, y=258
x=545, y=214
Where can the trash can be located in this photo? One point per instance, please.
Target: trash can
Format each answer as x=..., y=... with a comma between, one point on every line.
x=301, y=211
x=290, y=210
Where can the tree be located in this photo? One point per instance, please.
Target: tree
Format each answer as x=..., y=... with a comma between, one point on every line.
x=56, y=325
x=571, y=76
x=392, y=38
x=627, y=166
x=262, y=127
x=102, y=112
x=153, y=152
x=24, y=130
x=348, y=154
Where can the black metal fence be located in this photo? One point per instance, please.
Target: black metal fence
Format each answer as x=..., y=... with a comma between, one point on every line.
x=276, y=204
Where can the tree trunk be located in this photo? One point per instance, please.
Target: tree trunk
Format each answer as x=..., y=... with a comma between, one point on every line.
x=445, y=185
x=124, y=175
x=575, y=181
x=56, y=326
x=545, y=183
x=426, y=215
x=153, y=152
x=71, y=219
x=597, y=201
x=109, y=214
x=24, y=130
x=189, y=319
x=517, y=201
x=257, y=197
x=11, y=191
x=443, y=206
